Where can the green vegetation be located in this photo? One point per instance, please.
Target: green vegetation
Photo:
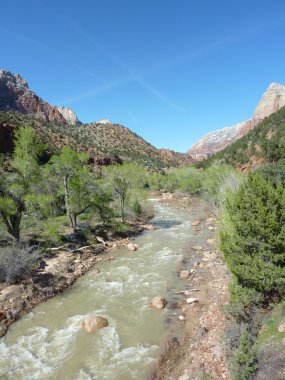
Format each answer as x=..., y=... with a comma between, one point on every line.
x=35, y=196
x=20, y=181
x=124, y=181
x=245, y=362
x=254, y=245
x=252, y=241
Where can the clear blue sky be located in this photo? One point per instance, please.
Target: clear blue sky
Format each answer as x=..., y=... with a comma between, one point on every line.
x=170, y=70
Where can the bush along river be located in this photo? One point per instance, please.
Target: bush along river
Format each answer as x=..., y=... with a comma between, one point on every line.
x=49, y=342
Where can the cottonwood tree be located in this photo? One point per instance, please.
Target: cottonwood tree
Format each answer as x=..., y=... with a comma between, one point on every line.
x=123, y=181
x=17, y=183
x=70, y=167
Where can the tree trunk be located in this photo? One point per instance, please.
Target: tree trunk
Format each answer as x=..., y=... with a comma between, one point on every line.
x=73, y=222
x=66, y=201
x=123, y=209
x=13, y=222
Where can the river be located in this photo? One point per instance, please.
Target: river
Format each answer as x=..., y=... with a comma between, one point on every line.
x=49, y=343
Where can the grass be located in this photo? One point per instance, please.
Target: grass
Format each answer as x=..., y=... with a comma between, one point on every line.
x=270, y=333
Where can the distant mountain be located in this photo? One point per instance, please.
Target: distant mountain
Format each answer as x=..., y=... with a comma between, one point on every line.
x=265, y=143
x=272, y=100
x=104, y=141
x=15, y=95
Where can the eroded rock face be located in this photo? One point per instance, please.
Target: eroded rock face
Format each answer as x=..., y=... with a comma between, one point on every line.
x=272, y=100
x=69, y=115
x=92, y=324
x=15, y=95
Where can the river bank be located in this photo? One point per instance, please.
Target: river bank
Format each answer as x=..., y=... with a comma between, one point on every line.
x=60, y=269
x=199, y=353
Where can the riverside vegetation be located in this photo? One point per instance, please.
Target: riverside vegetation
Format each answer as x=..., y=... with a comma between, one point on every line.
x=43, y=204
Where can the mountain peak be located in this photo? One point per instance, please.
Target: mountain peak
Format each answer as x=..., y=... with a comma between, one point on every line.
x=69, y=115
x=16, y=79
x=15, y=95
x=275, y=86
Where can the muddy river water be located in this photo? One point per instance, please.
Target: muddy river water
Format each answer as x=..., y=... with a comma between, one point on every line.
x=49, y=343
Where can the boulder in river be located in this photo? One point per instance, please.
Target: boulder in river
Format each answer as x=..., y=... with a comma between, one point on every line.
x=158, y=302
x=94, y=323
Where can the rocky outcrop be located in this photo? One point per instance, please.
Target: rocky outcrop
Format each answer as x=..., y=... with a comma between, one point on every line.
x=69, y=115
x=15, y=95
x=103, y=121
x=272, y=100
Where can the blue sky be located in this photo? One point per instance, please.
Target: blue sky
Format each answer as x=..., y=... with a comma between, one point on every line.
x=170, y=70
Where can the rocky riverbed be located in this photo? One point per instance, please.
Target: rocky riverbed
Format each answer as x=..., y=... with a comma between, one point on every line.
x=199, y=351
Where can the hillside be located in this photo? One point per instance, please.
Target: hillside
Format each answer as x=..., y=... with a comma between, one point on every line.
x=103, y=142
x=272, y=100
x=263, y=144
x=59, y=126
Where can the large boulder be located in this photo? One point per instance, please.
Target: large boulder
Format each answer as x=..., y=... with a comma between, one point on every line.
x=158, y=302
x=92, y=324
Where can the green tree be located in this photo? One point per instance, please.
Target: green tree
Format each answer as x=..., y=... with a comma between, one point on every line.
x=245, y=361
x=19, y=182
x=254, y=242
x=123, y=180
x=75, y=182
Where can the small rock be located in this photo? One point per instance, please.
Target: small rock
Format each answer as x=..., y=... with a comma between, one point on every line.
x=196, y=223
x=202, y=331
x=131, y=247
x=148, y=227
x=158, y=302
x=92, y=324
x=211, y=228
x=181, y=318
x=196, y=263
x=191, y=300
x=184, y=273
x=211, y=241
x=281, y=327
x=210, y=220
x=197, y=247
x=192, y=271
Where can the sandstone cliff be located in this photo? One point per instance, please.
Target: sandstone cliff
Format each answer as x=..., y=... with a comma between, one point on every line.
x=272, y=100
x=15, y=95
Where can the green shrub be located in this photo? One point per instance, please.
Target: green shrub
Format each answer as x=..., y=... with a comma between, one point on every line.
x=245, y=361
x=254, y=244
x=137, y=208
